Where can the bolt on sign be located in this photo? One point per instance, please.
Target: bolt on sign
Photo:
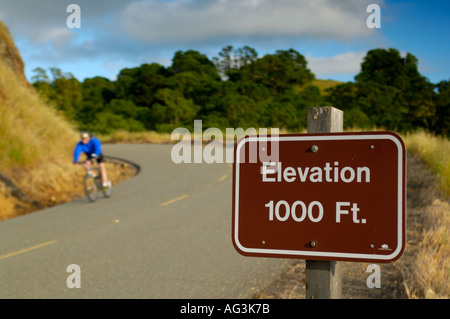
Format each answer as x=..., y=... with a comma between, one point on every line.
x=333, y=196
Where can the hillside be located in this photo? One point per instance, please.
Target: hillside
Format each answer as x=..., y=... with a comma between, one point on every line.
x=35, y=142
x=323, y=85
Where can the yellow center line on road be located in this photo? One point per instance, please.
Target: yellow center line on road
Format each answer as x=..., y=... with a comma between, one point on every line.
x=174, y=200
x=224, y=177
x=25, y=250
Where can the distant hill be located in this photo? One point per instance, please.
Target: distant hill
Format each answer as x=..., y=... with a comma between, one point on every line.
x=325, y=84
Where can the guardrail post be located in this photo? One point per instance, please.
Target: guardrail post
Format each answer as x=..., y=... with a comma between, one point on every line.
x=323, y=278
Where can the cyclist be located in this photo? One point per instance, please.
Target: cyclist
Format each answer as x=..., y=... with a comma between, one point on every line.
x=92, y=147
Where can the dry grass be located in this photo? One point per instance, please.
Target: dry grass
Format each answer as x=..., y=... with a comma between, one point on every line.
x=30, y=131
x=428, y=276
x=120, y=137
x=35, y=147
x=435, y=152
x=7, y=204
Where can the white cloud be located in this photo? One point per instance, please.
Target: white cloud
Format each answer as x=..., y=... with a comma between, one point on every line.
x=345, y=63
x=134, y=32
x=58, y=35
x=188, y=20
x=45, y=20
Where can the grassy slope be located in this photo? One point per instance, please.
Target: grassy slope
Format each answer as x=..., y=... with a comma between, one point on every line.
x=435, y=152
x=35, y=142
x=31, y=132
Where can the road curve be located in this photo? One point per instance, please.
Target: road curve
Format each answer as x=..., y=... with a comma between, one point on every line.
x=165, y=233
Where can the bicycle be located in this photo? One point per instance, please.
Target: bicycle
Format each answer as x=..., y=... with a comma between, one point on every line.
x=92, y=182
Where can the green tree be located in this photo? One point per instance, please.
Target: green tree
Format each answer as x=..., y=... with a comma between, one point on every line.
x=230, y=61
x=41, y=82
x=172, y=109
x=98, y=90
x=140, y=84
x=345, y=97
x=396, y=80
x=40, y=76
x=282, y=111
x=279, y=72
x=389, y=92
x=196, y=78
x=225, y=62
x=193, y=61
x=441, y=122
x=63, y=91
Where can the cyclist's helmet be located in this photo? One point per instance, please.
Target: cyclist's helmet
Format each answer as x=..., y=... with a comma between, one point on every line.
x=84, y=135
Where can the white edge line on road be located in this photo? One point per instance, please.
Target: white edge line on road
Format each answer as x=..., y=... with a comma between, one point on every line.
x=25, y=250
x=174, y=200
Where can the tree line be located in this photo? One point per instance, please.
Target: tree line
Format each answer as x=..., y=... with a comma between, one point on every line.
x=239, y=89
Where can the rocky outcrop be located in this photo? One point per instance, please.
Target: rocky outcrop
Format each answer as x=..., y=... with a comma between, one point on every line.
x=11, y=55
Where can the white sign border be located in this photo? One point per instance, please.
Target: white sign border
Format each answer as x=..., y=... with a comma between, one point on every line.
x=308, y=253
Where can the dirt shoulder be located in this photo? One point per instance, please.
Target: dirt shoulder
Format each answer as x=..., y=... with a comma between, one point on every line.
x=16, y=202
x=395, y=278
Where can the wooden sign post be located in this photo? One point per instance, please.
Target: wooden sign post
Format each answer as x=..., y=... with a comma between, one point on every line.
x=324, y=278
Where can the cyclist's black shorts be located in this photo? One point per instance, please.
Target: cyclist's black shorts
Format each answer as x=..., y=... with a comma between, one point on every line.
x=99, y=158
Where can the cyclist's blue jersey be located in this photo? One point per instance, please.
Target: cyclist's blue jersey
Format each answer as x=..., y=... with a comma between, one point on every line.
x=92, y=147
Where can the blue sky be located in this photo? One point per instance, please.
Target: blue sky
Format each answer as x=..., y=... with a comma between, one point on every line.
x=331, y=34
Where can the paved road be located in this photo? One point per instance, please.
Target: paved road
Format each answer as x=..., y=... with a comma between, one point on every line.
x=166, y=233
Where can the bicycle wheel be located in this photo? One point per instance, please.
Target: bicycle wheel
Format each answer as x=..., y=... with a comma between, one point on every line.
x=90, y=188
x=107, y=190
